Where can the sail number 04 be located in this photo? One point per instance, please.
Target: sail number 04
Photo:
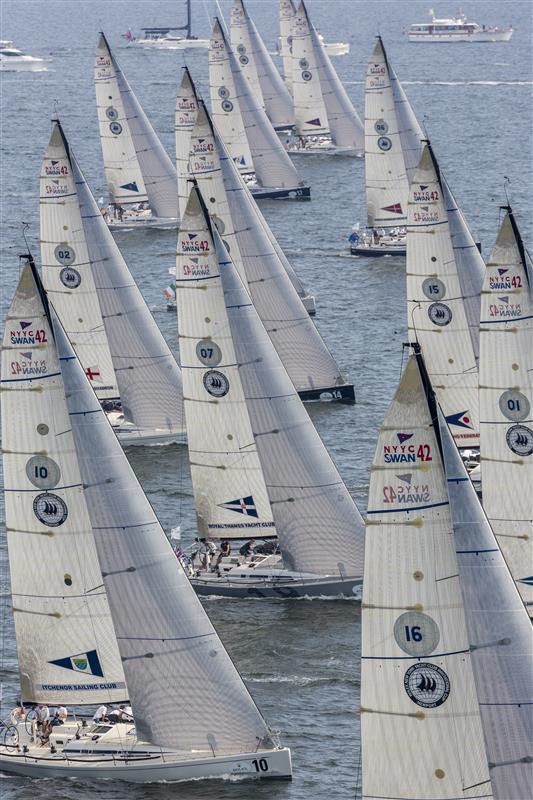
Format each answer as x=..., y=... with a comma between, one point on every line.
x=260, y=764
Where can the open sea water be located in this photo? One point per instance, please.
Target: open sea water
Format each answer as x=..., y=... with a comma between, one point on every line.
x=300, y=659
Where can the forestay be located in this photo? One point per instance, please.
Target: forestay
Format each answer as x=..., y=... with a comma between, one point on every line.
x=499, y=631
x=161, y=628
x=286, y=16
x=263, y=75
x=309, y=109
x=506, y=402
x=184, y=122
x=436, y=314
x=387, y=182
x=66, y=647
x=66, y=267
x=149, y=380
x=136, y=165
x=293, y=334
x=319, y=527
x=419, y=707
x=229, y=489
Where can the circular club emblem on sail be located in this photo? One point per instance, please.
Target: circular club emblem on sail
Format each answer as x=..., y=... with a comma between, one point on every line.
x=241, y=49
x=43, y=472
x=434, y=289
x=520, y=440
x=216, y=383
x=70, y=277
x=111, y=113
x=244, y=59
x=384, y=143
x=227, y=105
x=381, y=127
x=304, y=63
x=416, y=633
x=306, y=75
x=64, y=254
x=514, y=405
x=223, y=92
x=427, y=685
x=50, y=509
x=209, y=353
x=440, y=314
x=115, y=127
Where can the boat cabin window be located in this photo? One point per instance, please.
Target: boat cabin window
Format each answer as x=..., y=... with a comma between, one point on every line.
x=102, y=729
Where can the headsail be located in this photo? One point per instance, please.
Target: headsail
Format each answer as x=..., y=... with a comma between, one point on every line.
x=242, y=46
x=418, y=697
x=184, y=122
x=160, y=625
x=437, y=316
x=136, y=165
x=286, y=16
x=148, y=378
x=319, y=527
x=499, y=631
x=296, y=339
x=229, y=488
x=65, y=638
x=309, y=108
x=506, y=402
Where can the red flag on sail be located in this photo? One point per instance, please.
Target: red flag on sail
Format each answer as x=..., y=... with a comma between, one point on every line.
x=394, y=209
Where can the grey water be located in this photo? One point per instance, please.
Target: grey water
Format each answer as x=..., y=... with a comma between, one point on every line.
x=300, y=659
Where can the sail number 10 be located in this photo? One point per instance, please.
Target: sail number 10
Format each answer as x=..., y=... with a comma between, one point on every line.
x=260, y=764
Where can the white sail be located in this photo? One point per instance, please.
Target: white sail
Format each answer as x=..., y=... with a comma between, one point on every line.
x=66, y=266
x=293, y=334
x=184, y=122
x=411, y=134
x=436, y=314
x=499, y=631
x=506, y=402
x=319, y=527
x=387, y=182
x=162, y=631
x=225, y=106
x=286, y=16
x=310, y=113
x=419, y=708
x=244, y=50
x=229, y=488
x=136, y=165
x=65, y=639
x=344, y=124
x=263, y=75
x=148, y=378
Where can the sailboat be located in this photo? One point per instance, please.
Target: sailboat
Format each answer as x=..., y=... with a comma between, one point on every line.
x=286, y=15
x=162, y=37
x=259, y=468
x=264, y=270
x=506, y=401
x=446, y=642
x=184, y=122
x=124, y=355
x=393, y=146
x=444, y=277
x=141, y=178
x=258, y=67
x=98, y=623
x=325, y=118
x=246, y=129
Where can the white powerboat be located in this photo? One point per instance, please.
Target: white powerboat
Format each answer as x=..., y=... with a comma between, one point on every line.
x=13, y=60
x=163, y=39
x=456, y=29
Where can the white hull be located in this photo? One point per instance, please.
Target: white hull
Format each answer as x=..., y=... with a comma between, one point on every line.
x=286, y=587
x=308, y=303
x=385, y=246
x=328, y=149
x=23, y=64
x=136, y=223
x=337, y=48
x=482, y=36
x=171, y=44
x=128, y=438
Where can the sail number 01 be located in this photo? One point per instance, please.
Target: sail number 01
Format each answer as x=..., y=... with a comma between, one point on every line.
x=260, y=764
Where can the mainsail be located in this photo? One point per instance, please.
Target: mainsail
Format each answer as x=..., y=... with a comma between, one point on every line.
x=136, y=165
x=499, y=632
x=236, y=111
x=418, y=697
x=506, y=402
x=437, y=316
x=230, y=495
x=66, y=645
x=293, y=334
x=184, y=122
x=319, y=527
x=387, y=142
x=161, y=628
x=257, y=65
x=286, y=16
x=84, y=272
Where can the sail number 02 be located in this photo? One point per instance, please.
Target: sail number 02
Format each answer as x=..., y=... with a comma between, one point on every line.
x=260, y=764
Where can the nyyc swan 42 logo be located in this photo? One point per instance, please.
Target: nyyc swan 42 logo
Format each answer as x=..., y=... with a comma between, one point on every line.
x=243, y=505
x=405, y=451
x=88, y=663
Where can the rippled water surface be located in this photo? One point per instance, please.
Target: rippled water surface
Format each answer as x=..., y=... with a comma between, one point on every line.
x=300, y=659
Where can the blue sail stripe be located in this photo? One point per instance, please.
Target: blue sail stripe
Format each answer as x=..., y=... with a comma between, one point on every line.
x=35, y=378
x=406, y=510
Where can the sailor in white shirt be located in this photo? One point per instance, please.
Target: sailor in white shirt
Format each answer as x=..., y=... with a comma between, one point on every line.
x=100, y=714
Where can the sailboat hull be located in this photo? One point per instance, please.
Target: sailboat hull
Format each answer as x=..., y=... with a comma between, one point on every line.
x=149, y=768
x=132, y=223
x=284, y=589
x=335, y=394
x=298, y=193
x=377, y=251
